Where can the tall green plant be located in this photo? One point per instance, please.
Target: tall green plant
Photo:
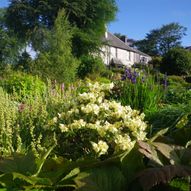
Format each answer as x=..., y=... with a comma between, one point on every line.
x=138, y=90
x=56, y=61
x=9, y=136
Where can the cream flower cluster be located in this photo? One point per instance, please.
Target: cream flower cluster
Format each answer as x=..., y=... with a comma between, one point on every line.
x=117, y=126
x=101, y=147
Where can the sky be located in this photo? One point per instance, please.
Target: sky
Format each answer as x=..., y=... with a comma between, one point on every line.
x=136, y=18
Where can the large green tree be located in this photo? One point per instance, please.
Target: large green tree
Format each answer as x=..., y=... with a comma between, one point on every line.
x=9, y=44
x=89, y=17
x=160, y=41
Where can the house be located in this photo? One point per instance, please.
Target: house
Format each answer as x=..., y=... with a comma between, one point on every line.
x=188, y=48
x=115, y=51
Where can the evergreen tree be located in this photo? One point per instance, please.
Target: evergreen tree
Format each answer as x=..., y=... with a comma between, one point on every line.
x=56, y=62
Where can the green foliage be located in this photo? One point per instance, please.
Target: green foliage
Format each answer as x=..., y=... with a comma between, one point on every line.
x=176, y=62
x=160, y=41
x=101, y=179
x=29, y=16
x=177, y=81
x=24, y=63
x=140, y=91
x=56, y=61
x=31, y=121
x=9, y=46
x=26, y=172
x=91, y=67
x=23, y=84
x=178, y=91
x=156, y=62
x=182, y=184
x=9, y=137
x=178, y=95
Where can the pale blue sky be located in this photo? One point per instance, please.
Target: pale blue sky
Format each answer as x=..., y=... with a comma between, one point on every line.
x=137, y=17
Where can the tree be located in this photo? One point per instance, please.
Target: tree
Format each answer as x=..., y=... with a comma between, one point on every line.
x=176, y=62
x=88, y=16
x=160, y=41
x=9, y=44
x=56, y=61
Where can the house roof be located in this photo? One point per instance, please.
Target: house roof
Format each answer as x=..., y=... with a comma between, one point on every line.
x=112, y=40
x=188, y=48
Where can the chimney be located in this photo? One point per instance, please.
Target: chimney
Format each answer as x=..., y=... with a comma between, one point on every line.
x=126, y=42
x=106, y=34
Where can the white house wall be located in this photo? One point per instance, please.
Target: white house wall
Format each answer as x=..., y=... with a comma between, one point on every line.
x=127, y=58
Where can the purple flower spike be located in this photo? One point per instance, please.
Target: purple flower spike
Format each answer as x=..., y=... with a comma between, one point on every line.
x=62, y=86
x=134, y=80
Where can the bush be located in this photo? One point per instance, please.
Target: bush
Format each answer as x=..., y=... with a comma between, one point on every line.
x=176, y=62
x=23, y=84
x=91, y=67
x=96, y=126
x=156, y=62
x=177, y=81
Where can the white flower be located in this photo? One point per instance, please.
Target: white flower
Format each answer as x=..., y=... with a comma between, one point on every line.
x=55, y=119
x=63, y=128
x=124, y=142
x=100, y=148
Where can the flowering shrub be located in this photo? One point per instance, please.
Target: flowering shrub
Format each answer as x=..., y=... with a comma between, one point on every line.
x=96, y=126
x=140, y=90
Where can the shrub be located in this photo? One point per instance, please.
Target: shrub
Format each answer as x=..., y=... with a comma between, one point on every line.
x=91, y=66
x=178, y=95
x=176, y=62
x=96, y=126
x=177, y=81
x=24, y=85
x=156, y=62
x=178, y=91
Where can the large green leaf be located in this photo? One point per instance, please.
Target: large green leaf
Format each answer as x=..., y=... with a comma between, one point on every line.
x=132, y=163
x=101, y=179
x=24, y=164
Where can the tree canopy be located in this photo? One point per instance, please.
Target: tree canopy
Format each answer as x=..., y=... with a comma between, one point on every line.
x=9, y=44
x=87, y=16
x=160, y=41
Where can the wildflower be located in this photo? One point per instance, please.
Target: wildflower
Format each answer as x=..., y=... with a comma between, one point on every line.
x=62, y=87
x=21, y=107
